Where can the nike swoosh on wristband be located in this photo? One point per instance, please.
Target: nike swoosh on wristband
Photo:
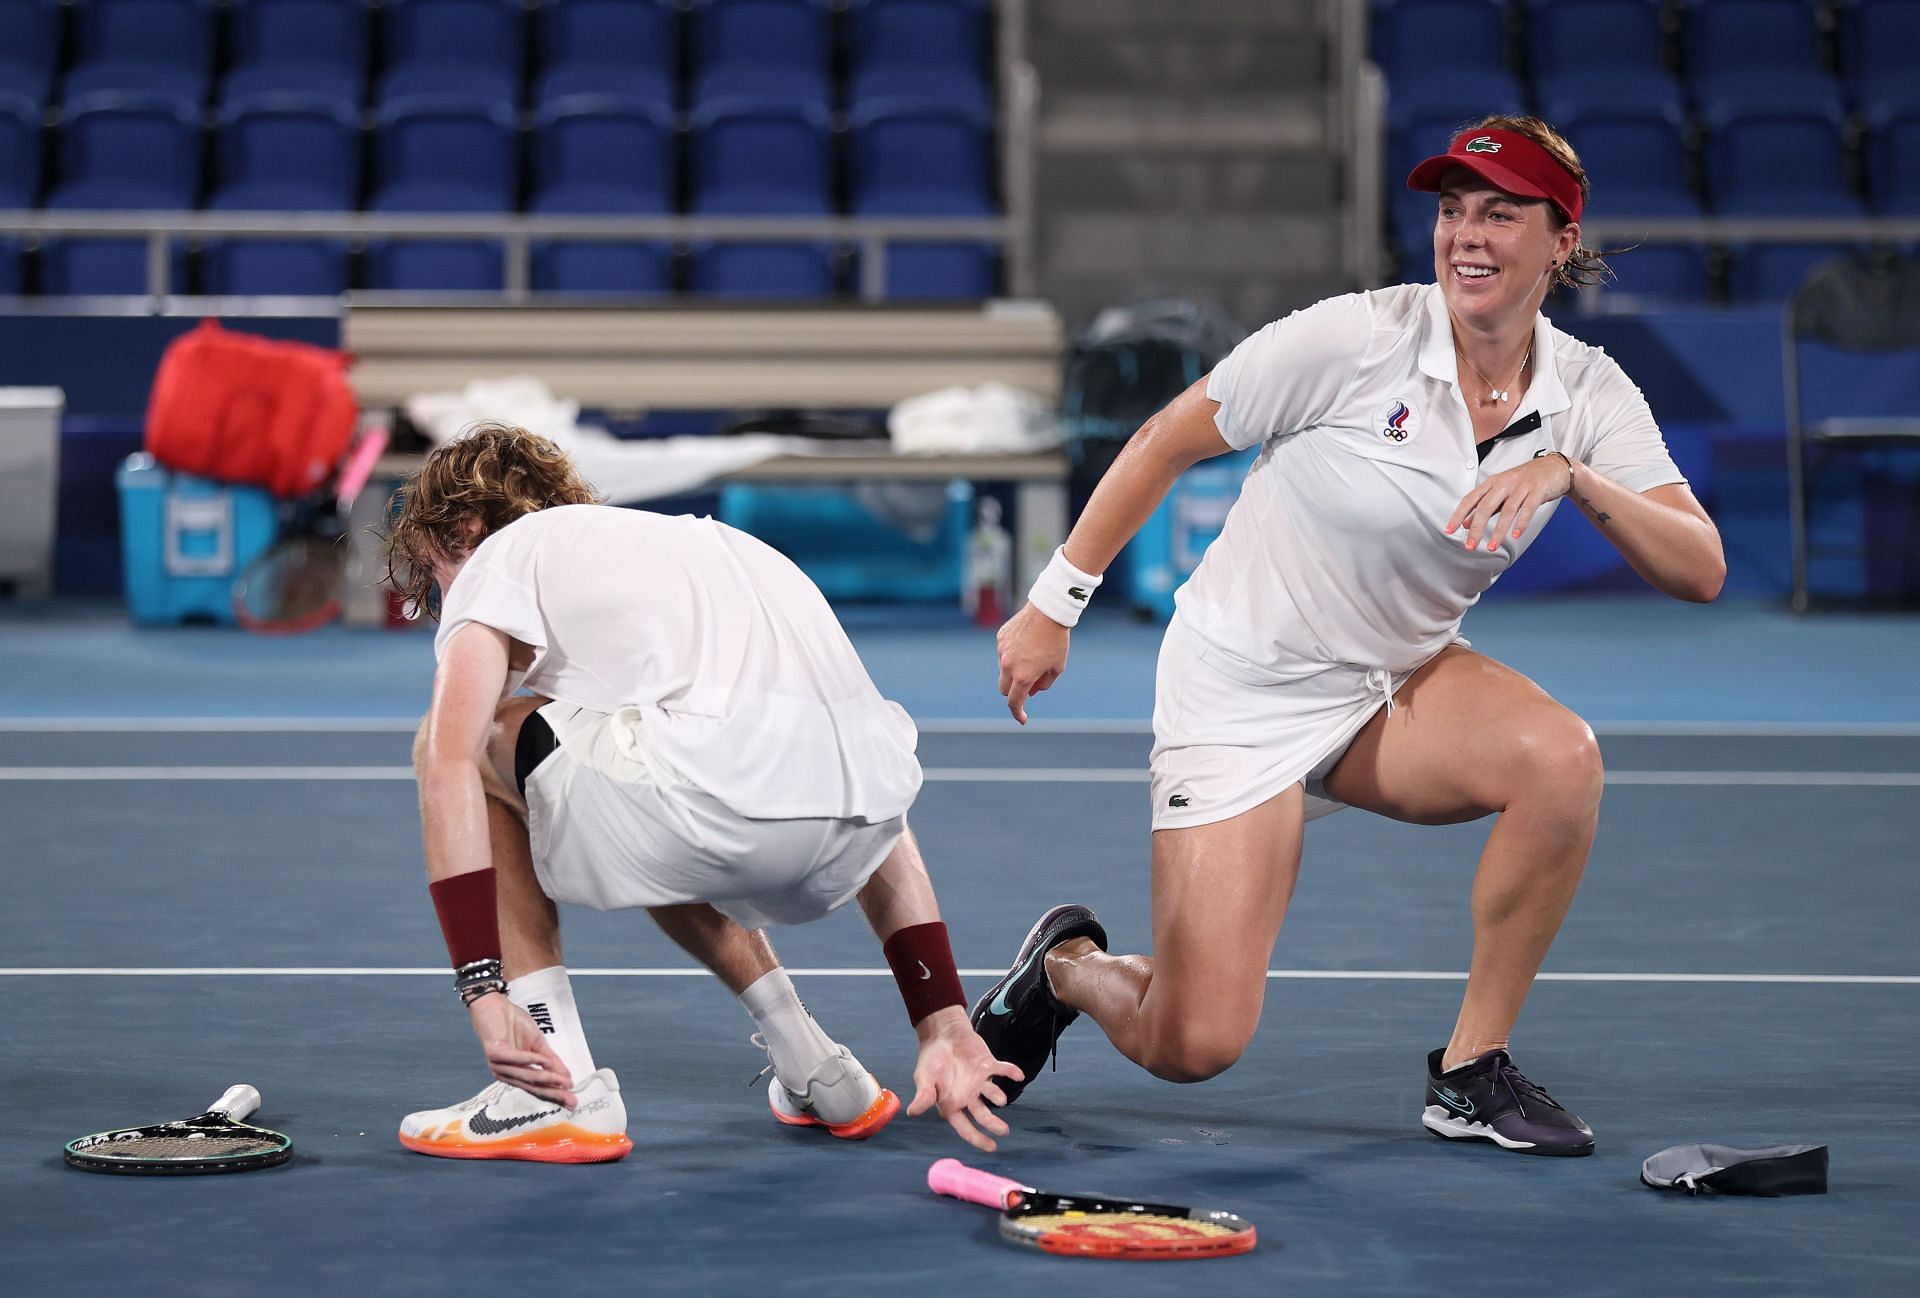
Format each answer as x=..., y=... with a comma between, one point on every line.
x=485, y=1124
x=925, y=973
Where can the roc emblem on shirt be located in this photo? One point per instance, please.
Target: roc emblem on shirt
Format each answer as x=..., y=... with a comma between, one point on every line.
x=1396, y=421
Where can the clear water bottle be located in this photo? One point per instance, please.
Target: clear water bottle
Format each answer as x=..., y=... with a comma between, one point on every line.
x=986, y=592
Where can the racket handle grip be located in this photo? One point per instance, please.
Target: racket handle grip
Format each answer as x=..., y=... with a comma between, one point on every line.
x=952, y=1177
x=237, y=1103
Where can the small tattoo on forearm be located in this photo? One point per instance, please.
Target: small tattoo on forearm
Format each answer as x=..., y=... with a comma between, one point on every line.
x=1599, y=516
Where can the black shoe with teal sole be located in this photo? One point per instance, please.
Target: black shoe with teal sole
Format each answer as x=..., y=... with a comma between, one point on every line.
x=1488, y=1099
x=1019, y=1018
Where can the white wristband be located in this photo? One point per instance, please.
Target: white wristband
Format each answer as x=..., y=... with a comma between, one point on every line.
x=1061, y=591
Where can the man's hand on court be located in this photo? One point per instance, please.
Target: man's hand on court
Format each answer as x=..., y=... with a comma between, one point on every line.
x=1033, y=653
x=517, y=1050
x=955, y=1075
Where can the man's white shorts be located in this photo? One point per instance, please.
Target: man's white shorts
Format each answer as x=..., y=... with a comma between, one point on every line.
x=1225, y=738
x=612, y=827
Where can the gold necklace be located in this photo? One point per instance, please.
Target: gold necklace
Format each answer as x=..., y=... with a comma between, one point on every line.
x=1495, y=394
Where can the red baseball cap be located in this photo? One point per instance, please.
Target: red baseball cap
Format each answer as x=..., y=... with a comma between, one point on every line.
x=1508, y=159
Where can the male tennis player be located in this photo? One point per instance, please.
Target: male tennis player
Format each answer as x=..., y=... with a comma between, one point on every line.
x=704, y=743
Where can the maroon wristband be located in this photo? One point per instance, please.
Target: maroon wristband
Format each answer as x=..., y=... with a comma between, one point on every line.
x=469, y=916
x=922, y=963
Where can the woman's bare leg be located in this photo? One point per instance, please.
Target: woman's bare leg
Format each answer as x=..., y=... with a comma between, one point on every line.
x=1220, y=892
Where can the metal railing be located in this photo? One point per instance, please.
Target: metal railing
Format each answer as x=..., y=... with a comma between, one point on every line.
x=516, y=234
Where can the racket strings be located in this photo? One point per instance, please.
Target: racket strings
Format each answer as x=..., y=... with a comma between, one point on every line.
x=1126, y=1225
x=147, y=1148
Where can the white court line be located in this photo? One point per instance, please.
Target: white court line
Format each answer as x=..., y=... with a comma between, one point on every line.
x=1314, y=975
x=929, y=726
x=206, y=725
x=933, y=775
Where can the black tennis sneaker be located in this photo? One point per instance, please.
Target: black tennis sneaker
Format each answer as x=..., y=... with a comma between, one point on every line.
x=1487, y=1098
x=1019, y=1018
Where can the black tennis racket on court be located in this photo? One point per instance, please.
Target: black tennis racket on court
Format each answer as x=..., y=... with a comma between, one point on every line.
x=1078, y=1225
x=295, y=586
x=216, y=1141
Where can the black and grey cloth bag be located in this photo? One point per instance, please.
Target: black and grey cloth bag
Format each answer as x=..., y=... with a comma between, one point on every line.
x=1721, y=1169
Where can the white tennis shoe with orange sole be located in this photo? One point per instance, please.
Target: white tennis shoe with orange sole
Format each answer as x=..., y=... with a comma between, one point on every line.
x=840, y=1095
x=506, y=1122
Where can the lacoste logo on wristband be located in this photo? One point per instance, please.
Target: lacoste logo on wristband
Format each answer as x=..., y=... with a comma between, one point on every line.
x=1077, y=593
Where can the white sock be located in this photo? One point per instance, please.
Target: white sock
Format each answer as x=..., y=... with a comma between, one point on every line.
x=548, y=996
x=795, y=1041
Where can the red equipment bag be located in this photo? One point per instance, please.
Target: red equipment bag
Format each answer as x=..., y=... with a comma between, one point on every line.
x=236, y=407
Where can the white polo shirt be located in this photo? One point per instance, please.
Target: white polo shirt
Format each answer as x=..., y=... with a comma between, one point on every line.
x=744, y=682
x=1333, y=552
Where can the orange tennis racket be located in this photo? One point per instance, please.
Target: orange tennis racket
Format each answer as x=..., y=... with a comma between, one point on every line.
x=1078, y=1225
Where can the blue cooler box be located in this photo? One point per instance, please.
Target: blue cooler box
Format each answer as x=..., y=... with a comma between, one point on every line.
x=1169, y=544
x=183, y=540
x=855, y=548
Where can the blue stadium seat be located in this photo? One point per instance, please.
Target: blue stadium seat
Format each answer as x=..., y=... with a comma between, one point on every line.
x=1893, y=160
x=1597, y=54
x=130, y=151
x=927, y=161
x=761, y=49
x=19, y=151
x=918, y=52
x=618, y=47
x=603, y=155
x=603, y=268
x=1636, y=164
x=303, y=46
x=157, y=47
x=453, y=47
x=1751, y=55
x=286, y=154
x=1778, y=163
x=1745, y=177
x=799, y=271
x=449, y=154
x=761, y=159
x=1878, y=40
x=32, y=47
x=1635, y=159
x=765, y=159
x=1427, y=48
x=920, y=162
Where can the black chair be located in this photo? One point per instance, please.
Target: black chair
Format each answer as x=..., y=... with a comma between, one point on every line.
x=1860, y=304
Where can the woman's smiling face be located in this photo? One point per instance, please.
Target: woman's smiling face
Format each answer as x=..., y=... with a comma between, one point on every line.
x=1493, y=252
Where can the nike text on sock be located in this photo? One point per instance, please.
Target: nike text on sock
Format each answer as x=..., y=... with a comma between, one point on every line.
x=547, y=995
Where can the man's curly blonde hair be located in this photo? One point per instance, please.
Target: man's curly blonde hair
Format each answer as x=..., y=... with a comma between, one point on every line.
x=468, y=489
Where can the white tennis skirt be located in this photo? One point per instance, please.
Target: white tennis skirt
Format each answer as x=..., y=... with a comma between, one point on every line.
x=1227, y=737
x=612, y=827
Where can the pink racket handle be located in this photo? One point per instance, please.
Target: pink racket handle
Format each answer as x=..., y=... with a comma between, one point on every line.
x=953, y=1177
x=359, y=466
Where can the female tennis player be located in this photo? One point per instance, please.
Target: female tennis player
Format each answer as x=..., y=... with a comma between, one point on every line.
x=1414, y=440
x=704, y=744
